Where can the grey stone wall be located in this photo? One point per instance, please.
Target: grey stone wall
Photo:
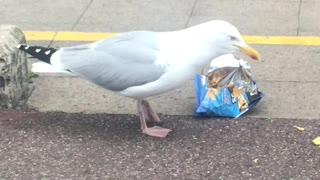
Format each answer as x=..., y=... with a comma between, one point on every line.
x=13, y=67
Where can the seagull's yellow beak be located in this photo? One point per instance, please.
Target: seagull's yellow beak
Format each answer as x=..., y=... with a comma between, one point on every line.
x=250, y=52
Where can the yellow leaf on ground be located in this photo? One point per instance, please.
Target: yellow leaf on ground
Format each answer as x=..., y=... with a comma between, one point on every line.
x=299, y=128
x=316, y=141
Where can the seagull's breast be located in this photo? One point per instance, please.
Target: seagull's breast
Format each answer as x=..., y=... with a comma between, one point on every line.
x=172, y=79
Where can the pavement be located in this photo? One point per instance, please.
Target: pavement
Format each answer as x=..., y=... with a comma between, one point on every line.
x=79, y=124
x=102, y=146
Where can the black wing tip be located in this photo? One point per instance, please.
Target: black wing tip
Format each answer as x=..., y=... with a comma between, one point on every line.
x=19, y=46
x=42, y=53
x=22, y=46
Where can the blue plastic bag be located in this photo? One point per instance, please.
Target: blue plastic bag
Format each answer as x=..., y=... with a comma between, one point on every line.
x=227, y=91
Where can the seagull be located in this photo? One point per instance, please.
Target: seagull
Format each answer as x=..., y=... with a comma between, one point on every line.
x=141, y=64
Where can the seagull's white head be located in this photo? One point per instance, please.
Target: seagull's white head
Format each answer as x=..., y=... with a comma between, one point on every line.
x=225, y=37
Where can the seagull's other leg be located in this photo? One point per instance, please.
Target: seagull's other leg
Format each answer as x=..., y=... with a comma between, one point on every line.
x=150, y=114
x=155, y=131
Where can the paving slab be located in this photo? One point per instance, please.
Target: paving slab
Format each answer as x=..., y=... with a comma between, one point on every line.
x=42, y=15
x=71, y=94
x=287, y=63
x=309, y=18
x=258, y=17
x=287, y=100
x=123, y=15
x=101, y=146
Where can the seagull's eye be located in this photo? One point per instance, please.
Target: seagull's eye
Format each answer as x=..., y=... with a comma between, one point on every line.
x=233, y=38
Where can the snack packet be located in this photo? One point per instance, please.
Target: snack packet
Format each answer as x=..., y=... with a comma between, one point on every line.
x=228, y=90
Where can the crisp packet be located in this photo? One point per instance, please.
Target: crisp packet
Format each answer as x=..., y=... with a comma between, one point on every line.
x=228, y=90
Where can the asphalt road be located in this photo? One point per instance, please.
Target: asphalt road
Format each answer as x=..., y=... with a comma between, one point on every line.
x=57, y=145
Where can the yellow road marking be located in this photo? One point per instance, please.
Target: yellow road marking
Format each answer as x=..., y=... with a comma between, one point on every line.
x=39, y=35
x=82, y=36
x=283, y=40
x=95, y=36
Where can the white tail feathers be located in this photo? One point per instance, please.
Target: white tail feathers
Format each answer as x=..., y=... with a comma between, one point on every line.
x=42, y=67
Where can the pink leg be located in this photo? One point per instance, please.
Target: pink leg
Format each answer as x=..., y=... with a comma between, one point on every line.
x=155, y=131
x=145, y=112
x=149, y=113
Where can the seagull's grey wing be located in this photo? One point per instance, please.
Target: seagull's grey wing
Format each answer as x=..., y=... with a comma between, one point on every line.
x=117, y=63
